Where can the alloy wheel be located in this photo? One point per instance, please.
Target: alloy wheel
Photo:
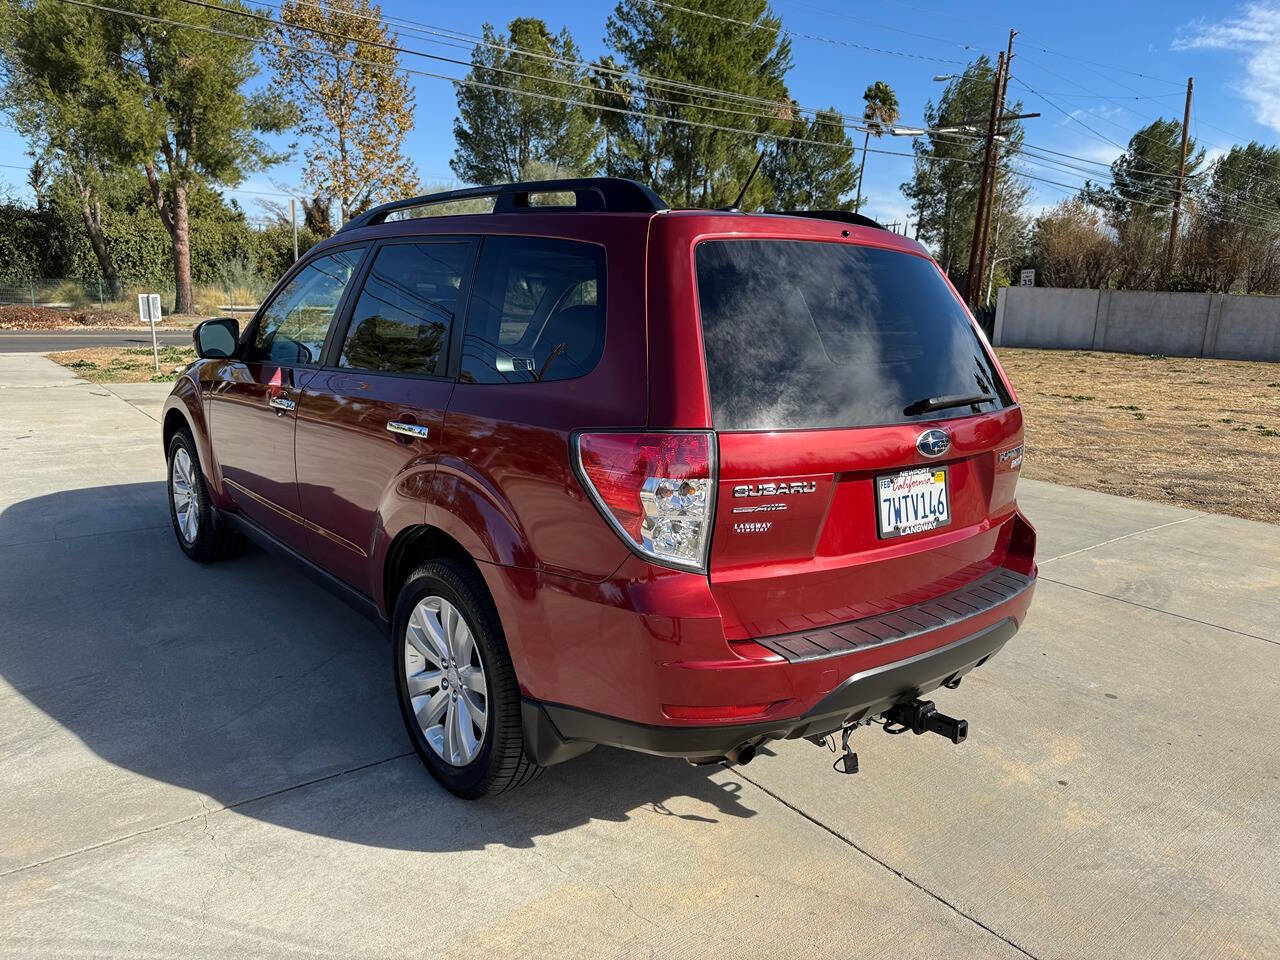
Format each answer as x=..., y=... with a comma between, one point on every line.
x=182, y=489
x=445, y=680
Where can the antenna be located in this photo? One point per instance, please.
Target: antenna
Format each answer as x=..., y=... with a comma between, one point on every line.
x=750, y=176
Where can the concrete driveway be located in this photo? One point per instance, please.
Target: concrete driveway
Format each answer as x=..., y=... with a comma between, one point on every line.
x=208, y=761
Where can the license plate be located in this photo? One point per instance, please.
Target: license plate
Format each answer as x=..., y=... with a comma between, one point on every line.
x=912, y=501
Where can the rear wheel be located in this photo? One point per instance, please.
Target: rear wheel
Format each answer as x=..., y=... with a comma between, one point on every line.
x=455, y=683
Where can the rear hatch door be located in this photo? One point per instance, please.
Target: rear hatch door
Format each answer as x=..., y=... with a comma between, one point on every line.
x=868, y=444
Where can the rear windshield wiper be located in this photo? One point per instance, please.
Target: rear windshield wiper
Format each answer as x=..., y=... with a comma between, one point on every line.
x=928, y=404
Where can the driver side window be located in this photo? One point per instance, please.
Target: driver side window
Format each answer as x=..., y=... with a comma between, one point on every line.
x=294, y=325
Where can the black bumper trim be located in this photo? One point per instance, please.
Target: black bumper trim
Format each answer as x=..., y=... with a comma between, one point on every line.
x=997, y=587
x=555, y=732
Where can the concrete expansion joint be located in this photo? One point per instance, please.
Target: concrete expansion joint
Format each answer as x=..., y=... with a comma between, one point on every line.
x=1127, y=536
x=821, y=825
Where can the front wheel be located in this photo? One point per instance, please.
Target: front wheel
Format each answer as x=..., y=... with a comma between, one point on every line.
x=455, y=683
x=195, y=524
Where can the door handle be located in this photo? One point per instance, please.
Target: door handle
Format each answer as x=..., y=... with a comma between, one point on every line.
x=282, y=404
x=408, y=429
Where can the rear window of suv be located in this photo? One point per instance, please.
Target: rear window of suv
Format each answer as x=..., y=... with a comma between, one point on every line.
x=805, y=334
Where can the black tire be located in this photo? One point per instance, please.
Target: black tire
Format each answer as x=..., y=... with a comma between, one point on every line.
x=501, y=762
x=209, y=539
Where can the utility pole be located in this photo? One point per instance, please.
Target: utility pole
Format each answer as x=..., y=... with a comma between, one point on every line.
x=857, y=204
x=293, y=219
x=995, y=166
x=1182, y=172
x=972, y=284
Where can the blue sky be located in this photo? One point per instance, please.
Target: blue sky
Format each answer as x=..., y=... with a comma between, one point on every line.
x=1232, y=50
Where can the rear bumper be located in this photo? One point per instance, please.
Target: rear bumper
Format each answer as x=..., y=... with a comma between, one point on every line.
x=555, y=732
x=649, y=659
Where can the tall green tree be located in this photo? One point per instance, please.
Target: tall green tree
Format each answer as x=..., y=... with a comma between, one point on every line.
x=170, y=101
x=948, y=163
x=613, y=94
x=1139, y=200
x=817, y=175
x=730, y=45
x=1232, y=240
x=881, y=112
x=1144, y=177
x=337, y=61
x=500, y=133
x=59, y=128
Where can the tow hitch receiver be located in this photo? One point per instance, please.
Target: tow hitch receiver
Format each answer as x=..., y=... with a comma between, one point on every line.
x=920, y=716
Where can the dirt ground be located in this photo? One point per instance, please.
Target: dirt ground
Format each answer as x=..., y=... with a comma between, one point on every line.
x=75, y=318
x=1203, y=434
x=124, y=364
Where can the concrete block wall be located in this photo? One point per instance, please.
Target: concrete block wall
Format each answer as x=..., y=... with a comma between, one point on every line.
x=1140, y=321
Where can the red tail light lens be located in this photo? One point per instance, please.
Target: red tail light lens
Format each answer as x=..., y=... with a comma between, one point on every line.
x=656, y=489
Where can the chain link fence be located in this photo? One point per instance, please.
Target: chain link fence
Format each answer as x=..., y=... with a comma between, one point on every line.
x=59, y=292
x=235, y=294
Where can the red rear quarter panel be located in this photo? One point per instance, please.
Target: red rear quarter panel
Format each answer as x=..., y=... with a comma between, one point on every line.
x=504, y=485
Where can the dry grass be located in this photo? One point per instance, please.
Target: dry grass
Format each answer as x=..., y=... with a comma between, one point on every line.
x=1203, y=434
x=124, y=364
x=18, y=317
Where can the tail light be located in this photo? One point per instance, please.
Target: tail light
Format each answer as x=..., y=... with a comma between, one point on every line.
x=657, y=490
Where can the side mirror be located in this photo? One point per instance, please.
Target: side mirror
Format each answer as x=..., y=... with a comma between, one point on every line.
x=217, y=338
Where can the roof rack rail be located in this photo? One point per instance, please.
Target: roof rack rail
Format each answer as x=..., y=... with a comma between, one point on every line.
x=842, y=216
x=612, y=194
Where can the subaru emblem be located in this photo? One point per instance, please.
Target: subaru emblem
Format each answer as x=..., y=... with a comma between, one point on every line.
x=933, y=443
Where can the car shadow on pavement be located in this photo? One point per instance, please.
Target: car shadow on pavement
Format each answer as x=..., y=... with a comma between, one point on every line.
x=244, y=681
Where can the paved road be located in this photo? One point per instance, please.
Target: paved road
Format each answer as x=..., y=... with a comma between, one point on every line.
x=207, y=761
x=45, y=341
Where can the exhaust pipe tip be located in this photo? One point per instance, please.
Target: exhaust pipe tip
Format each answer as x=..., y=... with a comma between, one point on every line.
x=742, y=755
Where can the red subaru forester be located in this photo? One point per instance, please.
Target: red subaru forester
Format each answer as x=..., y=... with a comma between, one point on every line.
x=680, y=481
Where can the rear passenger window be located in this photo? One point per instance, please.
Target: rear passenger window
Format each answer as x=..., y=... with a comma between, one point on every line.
x=537, y=312
x=401, y=321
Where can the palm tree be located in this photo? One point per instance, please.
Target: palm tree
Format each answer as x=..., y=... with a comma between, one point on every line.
x=881, y=112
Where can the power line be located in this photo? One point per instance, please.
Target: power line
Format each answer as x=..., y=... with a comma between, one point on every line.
x=970, y=45
x=1069, y=115
x=882, y=26
x=758, y=116
x=1101, y=96
x=819, y=115
x=956, y=135
x=1104, y=66
x=261, y=41
x=1204, y=174
x=646, y=78
x=753, y=134
x=1146, y=121
x=432, y=34
x=435, y=34
x=797, y=33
